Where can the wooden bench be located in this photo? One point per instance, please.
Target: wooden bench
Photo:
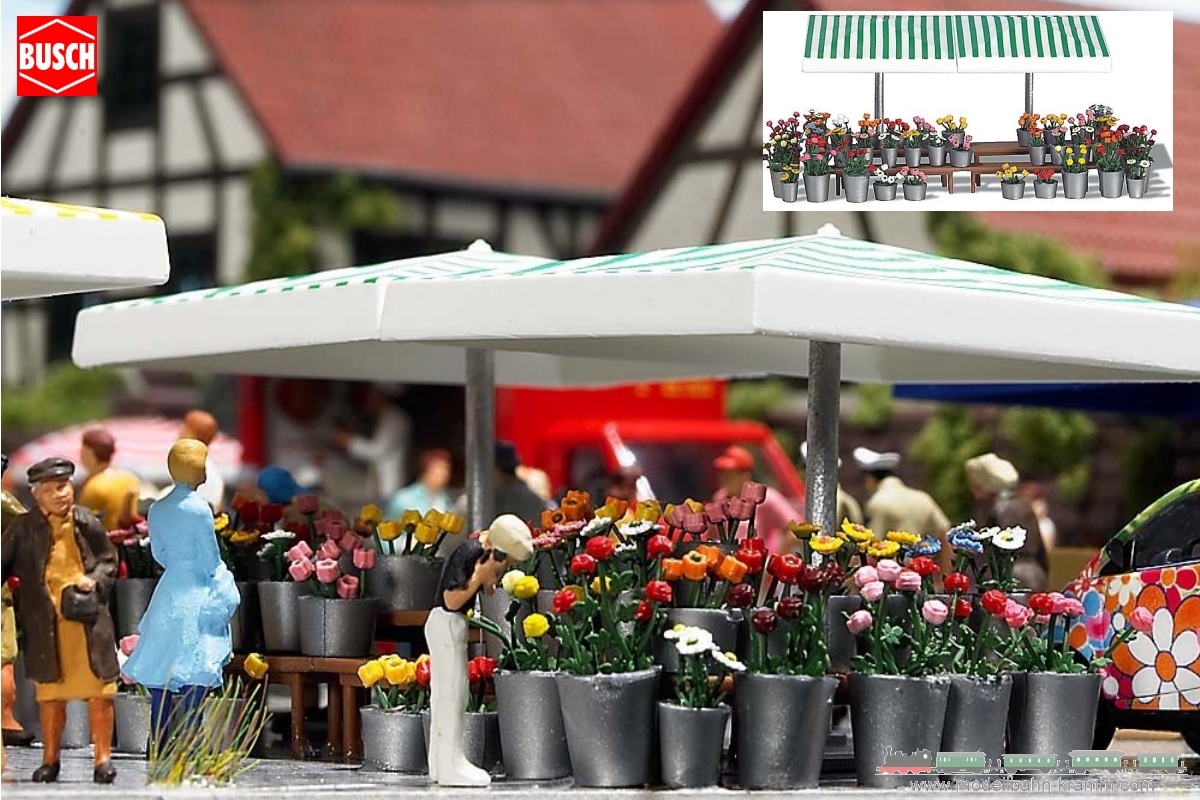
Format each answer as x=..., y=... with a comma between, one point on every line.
x=945, y=173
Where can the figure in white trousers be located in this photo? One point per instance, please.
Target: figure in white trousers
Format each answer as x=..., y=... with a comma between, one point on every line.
x=477, y=565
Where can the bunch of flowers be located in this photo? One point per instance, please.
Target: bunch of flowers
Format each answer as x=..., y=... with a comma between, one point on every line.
x=480, y=671
x=846, y=548
x=705, y=574
x=1037, y=137
x=816, y=122
x=423, y=533
x=882, y=178
x=1137, y=169
x=1138, y=140
x=928, y=132
x=1102, y=114
x=911, y=176
x=959, y=141
x=891, y=132
x=799, y=607
x=912, y=137
x=868, y=125
x=1028, y=121
x=133, y=550
x=950, y=128
x=397, y=684
x=239, y=532
x=728, y=515
x=1084, y=125
x=838, y=131
x=783, y=143
x=971, y=647
x=323, y=568
x=989, y=552
x=1009, y=174
x=526, y=649
x=1048, y=649
x=1055, y=127
x=1044, y=174
x=1074, y=157
x=1109, y=150
x=816, y=161
x=705, y=671
x=858, y=162
x=885, y=637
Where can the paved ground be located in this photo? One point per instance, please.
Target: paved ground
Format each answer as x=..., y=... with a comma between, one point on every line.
x=284, y=779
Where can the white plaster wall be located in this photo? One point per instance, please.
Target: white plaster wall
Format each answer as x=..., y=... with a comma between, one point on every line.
x=685, y=208
x=184, y=49
x=463, y=219
x=525, y=235
x=131, y=154
x=189, y=207
x=27, y=166
x=240, y=144
x=132, y=198
x=78, y=163
x=727, y=125
x=183, y=135
x=233, y=244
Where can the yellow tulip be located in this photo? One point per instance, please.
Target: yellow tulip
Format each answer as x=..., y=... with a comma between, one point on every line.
x=421, y=659
x=576, y=590
x=648, y=511
x=398, y=674
x=526, y=588
x=388, y=530
x=244, y=537
x=370, y=673
x=392, y=660
x=371, y=514
x=608, y=511
x=221, y=523
x=453, y=523
x=410, y=518
x=695, y=505
x=536, y=626
x=426, y=533
x=433, y=517
x=596, y=585
x=256, y=666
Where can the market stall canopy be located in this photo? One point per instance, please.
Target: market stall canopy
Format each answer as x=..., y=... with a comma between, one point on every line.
x=56, y=248
x=903, y=316
x=955, y=43
x=340, y=324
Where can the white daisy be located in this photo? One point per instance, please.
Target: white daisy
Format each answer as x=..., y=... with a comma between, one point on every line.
x=1165, y=658
x=985, y=534
x=1009, y=538
x=727, y=660
x=1143, y=163
x=595, y=526
x=625, y=548
x=693, y=641
x=641, y=527
x=274, y=535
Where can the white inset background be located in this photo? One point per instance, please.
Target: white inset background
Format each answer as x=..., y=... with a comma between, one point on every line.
x=1140, y=90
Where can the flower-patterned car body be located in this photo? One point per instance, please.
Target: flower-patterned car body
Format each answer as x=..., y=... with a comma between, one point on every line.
x=1153, y=563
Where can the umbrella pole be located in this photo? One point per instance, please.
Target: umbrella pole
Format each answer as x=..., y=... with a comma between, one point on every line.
x=878, y=95
x=481, y=436
x=1028, y=92
x=824, y=387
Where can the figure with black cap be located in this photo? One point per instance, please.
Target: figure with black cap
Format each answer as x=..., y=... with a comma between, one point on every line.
x=477, y=565
x=513, y=495
x=14, y=733
x=66, y=566
x=893, y=506
x=847, y=506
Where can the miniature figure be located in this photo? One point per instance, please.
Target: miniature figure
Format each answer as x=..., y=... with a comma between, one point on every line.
x=893, y=506
x=185, y=640
x=478, y=564
x=109, y=493
x=14, y=733
x=66, y=566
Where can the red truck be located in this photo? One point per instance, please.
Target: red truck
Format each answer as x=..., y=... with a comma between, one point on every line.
x=671, y=431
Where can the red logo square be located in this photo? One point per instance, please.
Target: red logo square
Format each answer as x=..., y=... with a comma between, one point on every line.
x=56, y=56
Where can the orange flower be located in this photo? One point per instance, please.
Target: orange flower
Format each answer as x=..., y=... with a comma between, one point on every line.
x=672, y=569
x=712, y=556
x=550, y=519
x=732, y=570
x=695, y=566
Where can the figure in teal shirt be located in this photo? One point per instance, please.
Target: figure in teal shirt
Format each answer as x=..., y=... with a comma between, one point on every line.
x=185, y=642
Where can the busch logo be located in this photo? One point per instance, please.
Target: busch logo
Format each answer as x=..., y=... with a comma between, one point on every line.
x=56, y=56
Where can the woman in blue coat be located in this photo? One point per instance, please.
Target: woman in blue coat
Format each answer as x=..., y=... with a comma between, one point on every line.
x=185, y=642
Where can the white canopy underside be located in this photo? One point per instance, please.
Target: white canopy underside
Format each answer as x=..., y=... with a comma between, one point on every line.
x=55, y=248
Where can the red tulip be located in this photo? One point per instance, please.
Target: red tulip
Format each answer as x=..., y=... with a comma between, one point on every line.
x=790, y=607
x=271, y=513
x=833, y=576
x=644, y=611
x=740, y=595
x=764, y=620
x=424, y=673
x=785, y=567
x=1041, y=603
x=248, y=514
x=583, y=564
x=564, y=600
x=923, y=566
x=811, y=579
x=659, y=545
x=994, y=602
x=659, y=591
x=473, y=671
x=600, y=548
x=957, y=582
x=962, y=608
x=307, y=503
x=753, y=559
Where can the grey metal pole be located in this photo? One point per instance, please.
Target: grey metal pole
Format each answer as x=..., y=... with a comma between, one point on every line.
x=1028, y=92
x=824, y=389
x=481, y=436
x=878, y=95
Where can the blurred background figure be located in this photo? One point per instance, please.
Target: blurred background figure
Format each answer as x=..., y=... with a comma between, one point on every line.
x=1036, y=497
x=202, y=426
x=277, y=485
x=385, y=449
x=623, y=484
x=892, y=506
x=14, y=734
x=538, y=482
x=734, y=468
x=108, y=492
x=993, y=483
x=513, y=496
x=428, y=490
x=847, y=506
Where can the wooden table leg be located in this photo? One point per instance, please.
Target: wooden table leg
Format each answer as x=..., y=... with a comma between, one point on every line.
x=950, y=182
x=351, y=735
x=333, y=718
x=297, y=686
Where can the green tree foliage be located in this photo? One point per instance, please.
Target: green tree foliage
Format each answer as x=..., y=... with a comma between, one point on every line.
x=287, y=214
x=67, y=396
x=941, y=448
x=1051, y=443
x=873, y=406
x=1147, y=463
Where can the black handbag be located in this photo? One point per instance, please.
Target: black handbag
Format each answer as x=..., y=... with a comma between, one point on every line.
x=80, y=606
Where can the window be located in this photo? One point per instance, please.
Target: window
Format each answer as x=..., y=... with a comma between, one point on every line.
x=1170, y=537
x=193, y=263
x=130, y=86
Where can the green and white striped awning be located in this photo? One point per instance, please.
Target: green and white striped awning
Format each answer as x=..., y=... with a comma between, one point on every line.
x=955, y=43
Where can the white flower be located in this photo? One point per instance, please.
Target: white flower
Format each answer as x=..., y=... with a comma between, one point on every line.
x=510, y=580
x=1165, y=655
x=693, y=641
x=641, y=527
x=274, y=535
x=595, y=526
x=1010, y=538
x=985, y=534
x=1143, y=163
x=1131, y=161
x=625, y=548
x=727, y=660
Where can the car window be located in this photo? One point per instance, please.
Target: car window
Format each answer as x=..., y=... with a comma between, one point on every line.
x=677, y=470
x=1170, y=537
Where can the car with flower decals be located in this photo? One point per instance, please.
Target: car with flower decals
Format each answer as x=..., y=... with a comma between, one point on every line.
x=1153, y=563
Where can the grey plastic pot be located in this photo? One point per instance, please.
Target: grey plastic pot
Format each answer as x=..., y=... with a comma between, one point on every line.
x=1136, y=187
x=960, y=158
x=281, y=615
x=977, y=714
x=722, y=624
x=885, y=191
x=1056, y=156
x=840, y=642
x=1112, y=184
x=393, y=740
x=132, y=597
x=1045, y=191
x=532, y=733
x=1075, y=185
x=1052, y=713
x=1037, y=155
x=245, y=627
x=889, y=156
x=77, y=732
x=690, y=743
x=912, y=156
x=131, y=722
x=611, y=727
x=816, y=188
x=404, y=583
x=1023, y=137
x=915, y=191
x=789, y=192
x=1012, y=191
x=937, y=155
x=781, y=723
x=777, y=182
x=856, y=187
x=899, y=712
x=337, y=628
x=481, y=738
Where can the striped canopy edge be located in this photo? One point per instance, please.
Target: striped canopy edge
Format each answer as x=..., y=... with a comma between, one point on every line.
x=852, y=38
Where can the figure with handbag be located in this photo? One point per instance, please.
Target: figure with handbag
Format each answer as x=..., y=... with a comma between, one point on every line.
x=66, y=566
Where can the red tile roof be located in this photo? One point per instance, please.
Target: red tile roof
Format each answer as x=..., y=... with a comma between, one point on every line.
x=564, y=95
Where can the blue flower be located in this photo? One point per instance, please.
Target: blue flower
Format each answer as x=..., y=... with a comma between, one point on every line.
x=965, y=540
x=927, y=547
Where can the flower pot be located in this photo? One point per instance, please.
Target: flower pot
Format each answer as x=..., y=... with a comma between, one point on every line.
x=1037, y=155
x=960, y=158
x=781, y=723
x=393, y=740
x=777, y=182
x=885, y=191
x=481, y=738
x=1136, y=187
x=132, y=598
x=1012, y=191
x=77, y=732
x=1023, y=137
x=1075, y=185
x=976, y=715
x=937, y=155
x=816, y=188
x=915, y=191
x=337, y=628
x=690, y=743
x=245, y=626
x=888, y=155
x=281, y=615
x=897, y=712
x=495, y=607
x=131, y=722
x=856, y=187
x=1045, y=191
x=1112, y=183
x=1052, y=713
x=789, y=192
x=404, y=583
x=532, y=733
x=721, y=623
x=610, y=724
x=1056, y=157
x=912, y=156
x=839, y=641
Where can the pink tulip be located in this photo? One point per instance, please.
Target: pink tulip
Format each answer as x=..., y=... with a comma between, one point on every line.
x=739, y=508
x=678, y=514
x=321, y=525
x=1058, y=602
x=329, y=550
x=327, y=570
x=1073, y=608
x=1141, y=619
x=301, y=569
x=299, y=551
x=347, y=587
x=715, y=512
x=935, y=612
x=859, y=621
x=865, y=575
x=1041, y=619
x=888, y=570
x=336, y=529
x=754, y=492
x=350, y=541
x=872, y=591
x=1017, y=615
x=908, y=581
x=364, y=559
x=127, y=643
x=694, y=523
